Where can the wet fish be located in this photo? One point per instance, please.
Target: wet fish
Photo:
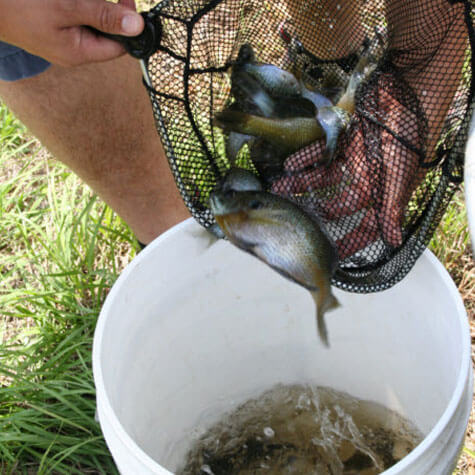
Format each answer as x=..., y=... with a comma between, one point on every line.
x=334, y=121
x=283, y=236
x=268, y=160
x=365, y=66
x=288, y=135
x=239, y=179
x=251, y=96
x=276, y=81
x=317, y=99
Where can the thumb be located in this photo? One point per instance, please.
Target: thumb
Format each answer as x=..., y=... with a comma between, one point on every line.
x=118, y=19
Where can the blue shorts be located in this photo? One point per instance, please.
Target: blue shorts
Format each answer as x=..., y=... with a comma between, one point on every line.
x=16, y=63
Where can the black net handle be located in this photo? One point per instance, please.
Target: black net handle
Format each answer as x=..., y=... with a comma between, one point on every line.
x=143, y=45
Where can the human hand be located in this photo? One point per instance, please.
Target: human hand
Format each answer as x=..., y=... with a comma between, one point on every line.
x=54, y=29
x=365, y=192
x=363, y=195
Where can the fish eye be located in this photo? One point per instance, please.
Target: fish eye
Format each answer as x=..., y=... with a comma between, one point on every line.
x=255, y=204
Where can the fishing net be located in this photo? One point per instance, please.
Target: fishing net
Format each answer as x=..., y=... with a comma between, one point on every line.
x=399, y=161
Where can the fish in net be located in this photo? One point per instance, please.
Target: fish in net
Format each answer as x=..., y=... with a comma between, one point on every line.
x=400, y=158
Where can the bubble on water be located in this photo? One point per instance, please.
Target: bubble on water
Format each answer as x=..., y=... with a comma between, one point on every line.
x=303, y=429
x=268, y=432
x=206, y=469
x=303, y=401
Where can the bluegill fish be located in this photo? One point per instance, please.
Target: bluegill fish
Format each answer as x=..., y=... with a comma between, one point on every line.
x=283, y=236
x=276, y=81
x=347, y=100
x=289, y=134
x=252, y=98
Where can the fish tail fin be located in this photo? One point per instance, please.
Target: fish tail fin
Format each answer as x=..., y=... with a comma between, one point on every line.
x=331, y=144
x=334, y=120
x=324, y=301
x=321, y=325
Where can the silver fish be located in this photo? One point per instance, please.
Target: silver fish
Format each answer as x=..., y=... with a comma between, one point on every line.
x=276, y=81
x=283, y=236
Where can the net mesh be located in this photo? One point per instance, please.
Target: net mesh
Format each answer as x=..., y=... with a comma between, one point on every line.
x=399, y=161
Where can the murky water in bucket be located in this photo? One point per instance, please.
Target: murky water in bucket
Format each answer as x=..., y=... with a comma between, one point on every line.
x=303, y=430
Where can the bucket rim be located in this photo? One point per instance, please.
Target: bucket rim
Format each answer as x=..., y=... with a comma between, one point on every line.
x=431, y=437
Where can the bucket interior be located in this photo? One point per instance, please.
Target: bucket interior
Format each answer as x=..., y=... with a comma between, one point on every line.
x=190, y=329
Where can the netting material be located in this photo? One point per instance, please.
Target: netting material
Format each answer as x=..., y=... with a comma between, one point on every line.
x=400, y=160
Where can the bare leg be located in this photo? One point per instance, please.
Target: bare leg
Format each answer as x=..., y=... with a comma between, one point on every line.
x=97, y=119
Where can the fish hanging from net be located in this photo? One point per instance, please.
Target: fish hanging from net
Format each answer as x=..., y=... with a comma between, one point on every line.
x=378, y=175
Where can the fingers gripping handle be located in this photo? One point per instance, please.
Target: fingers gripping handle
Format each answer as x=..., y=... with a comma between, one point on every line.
x=141, y=46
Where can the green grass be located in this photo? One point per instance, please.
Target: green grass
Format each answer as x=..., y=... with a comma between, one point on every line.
x=61, y=249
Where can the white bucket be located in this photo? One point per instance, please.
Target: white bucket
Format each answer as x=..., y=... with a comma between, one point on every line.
x=188, y=329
